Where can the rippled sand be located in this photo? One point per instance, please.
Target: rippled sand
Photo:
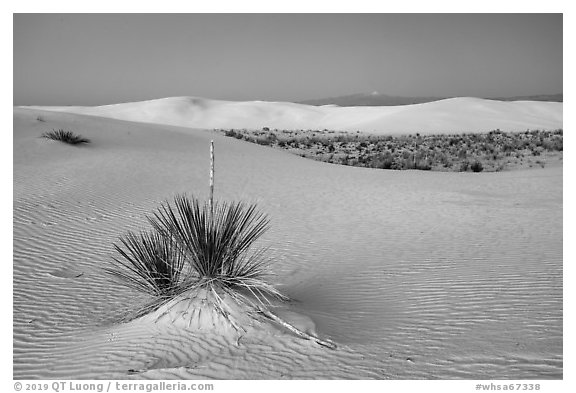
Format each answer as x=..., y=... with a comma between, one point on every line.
x=415, y=275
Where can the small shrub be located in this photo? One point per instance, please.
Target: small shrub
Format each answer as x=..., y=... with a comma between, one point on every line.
x=264, y=141
x=65, y=136
x=423, y=165
x=477, y=166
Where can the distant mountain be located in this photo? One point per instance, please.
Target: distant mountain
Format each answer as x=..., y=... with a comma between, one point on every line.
x=377, y=99
x=370, y=99
x=540, y=97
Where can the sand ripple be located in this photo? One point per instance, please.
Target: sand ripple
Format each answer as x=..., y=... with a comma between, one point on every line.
x=415, y=275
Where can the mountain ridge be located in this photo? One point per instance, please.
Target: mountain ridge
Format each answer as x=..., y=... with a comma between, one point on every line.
x=377, y=99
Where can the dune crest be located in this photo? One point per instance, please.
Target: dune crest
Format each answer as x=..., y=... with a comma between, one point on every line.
x=453, y=115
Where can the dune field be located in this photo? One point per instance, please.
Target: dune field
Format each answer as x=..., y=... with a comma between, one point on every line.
x=414, y=275
x=453, y=115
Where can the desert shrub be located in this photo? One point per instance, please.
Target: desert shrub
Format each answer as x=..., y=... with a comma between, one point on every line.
x=307, y=143
x=264, y=141
x=382, y=160
x=423, y=165
x=500, y=167
x=477, y=166
x=65, y=136
x=195, y=247
x=399, y=163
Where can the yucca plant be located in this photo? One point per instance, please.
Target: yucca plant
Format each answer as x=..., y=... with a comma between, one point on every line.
x=65, y=136
x=197, y=246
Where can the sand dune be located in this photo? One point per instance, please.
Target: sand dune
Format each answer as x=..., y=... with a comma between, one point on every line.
x=413, y=274
x=453, y=115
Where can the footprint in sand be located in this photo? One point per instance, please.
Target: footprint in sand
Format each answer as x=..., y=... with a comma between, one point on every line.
x=95, y=217
x=66, y=273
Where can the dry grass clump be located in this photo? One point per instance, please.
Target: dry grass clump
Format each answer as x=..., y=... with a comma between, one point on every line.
x=65, y=136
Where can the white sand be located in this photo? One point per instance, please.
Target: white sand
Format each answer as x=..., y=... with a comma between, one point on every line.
x=413, y=274
x=455, y=115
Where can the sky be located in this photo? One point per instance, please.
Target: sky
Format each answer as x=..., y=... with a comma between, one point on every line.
x=98, y=59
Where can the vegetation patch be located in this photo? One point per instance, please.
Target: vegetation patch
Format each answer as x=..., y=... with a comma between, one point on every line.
x=478, y=152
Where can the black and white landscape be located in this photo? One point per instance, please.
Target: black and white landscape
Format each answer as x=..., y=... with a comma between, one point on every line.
x=380, y=273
